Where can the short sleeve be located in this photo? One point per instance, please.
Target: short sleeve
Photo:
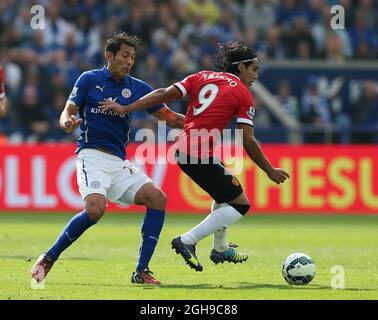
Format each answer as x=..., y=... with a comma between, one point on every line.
x=246, y=111
x=79, y=90
x=2, y=86
x=185, y=85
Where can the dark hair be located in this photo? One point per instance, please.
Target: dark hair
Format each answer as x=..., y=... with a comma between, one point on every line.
x=228, y=55
x=113, y=44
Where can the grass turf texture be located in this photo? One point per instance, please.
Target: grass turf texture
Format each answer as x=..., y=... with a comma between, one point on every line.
x=100, y=263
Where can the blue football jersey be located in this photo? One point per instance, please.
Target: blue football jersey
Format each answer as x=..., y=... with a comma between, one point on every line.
x=106, y=129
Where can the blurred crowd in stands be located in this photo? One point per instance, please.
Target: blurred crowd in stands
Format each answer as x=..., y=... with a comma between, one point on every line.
x=179, y=38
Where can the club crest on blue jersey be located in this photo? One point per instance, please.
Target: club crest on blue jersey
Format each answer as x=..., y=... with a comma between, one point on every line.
x=126, y=93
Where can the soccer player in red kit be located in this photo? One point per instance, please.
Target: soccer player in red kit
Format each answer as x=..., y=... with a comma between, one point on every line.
x=3, y=108
x=215, y=98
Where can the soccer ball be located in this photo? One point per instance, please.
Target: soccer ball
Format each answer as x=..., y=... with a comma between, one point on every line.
x=298, y=269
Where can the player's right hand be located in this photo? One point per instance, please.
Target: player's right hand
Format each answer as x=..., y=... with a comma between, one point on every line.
x=71, y=123
x=278, y=175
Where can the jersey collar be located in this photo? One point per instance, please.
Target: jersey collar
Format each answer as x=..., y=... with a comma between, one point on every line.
x=231, y=74
x=108, y=75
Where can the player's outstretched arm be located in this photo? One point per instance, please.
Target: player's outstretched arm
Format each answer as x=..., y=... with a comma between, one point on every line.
x=173, y=119
x=3, y=107
x=68, y=121
x=256, y=154
x=153, y=98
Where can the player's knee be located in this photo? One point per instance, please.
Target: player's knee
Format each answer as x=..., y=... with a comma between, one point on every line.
x=156, y=199
x=151, y=196
x=94, y=211
x=241, y=208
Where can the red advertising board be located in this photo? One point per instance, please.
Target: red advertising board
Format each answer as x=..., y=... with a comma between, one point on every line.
x=324, y=179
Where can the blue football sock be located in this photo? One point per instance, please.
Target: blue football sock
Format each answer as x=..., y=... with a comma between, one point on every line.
x=151, y=228
x=73, y=230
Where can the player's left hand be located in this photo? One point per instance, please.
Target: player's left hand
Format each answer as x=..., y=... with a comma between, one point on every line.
x=111, y=105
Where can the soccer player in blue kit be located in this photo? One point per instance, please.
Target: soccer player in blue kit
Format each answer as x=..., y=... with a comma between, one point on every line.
x=102, y=169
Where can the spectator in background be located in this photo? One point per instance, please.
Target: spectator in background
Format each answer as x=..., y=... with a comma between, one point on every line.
x=323, y=36
x=7, y=124
x=276, y=131
x=362, y=36
x=349, y=12
x=206, y=62
x=304, y=50
x=365, y=114
x=236, y=9
x=71, y=49
x=163, y=46
x=57, y=83
x=22, y=24
x=93, y=8
x=32, y=117
x=284, y=12
x=152, y=72
x=315, y=112
x=69, y=69
x=334, y=48
x=41, y=54
x=13, y=79
x=56, y=29
x=371, y=13
x=296, y=36
x=117, y=9
x=195, y=31
x=53, y=113
x=227, y=28
x=363, y=51
x=288, y=102
x=273, y=47
x=9, y=9
x=258, y=15
x=88, y=39
x=250, y=36
x=208, y=8
x=141, y=21
x=181, y=65
x=3, y=106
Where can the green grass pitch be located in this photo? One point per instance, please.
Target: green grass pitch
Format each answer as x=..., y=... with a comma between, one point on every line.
x=99, y=264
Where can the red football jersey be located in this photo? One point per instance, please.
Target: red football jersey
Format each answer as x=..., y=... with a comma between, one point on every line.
x=2, y=88
x=215, y=98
